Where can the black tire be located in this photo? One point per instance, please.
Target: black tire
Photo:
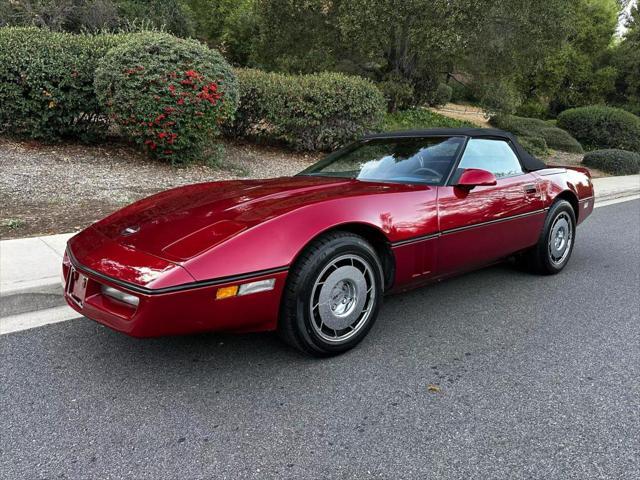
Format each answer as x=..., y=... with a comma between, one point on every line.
x=540, y=259
x=301, y=324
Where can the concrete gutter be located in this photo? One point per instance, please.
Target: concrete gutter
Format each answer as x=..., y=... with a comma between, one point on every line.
x=30, y=267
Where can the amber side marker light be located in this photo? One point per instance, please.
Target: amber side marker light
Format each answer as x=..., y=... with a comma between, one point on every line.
x=226, y=292
x=246, y=288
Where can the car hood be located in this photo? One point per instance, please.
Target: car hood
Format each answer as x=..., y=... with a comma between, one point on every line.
x=181, y=223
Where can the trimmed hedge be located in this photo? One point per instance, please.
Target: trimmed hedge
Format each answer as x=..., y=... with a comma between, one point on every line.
x=614, y=161
x=420, y=118
x=46, y=83
x=305, y=112
x=554, y=137
x=602, y=127
x=536, y=146
x=166, y=94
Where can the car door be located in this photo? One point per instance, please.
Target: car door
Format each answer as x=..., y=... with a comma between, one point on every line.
x=488, y=222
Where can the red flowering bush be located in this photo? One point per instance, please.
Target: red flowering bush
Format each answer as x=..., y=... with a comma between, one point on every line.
x=166, y=94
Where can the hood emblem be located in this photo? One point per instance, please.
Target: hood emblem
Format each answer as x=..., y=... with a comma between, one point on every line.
x=130, y=230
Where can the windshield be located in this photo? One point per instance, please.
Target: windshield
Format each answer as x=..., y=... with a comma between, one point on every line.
x=398, y=160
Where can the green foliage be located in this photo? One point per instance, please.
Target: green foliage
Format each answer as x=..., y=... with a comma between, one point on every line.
x=461, y=93
x=536, y=146
x=305, y=112
x=418, y=41
x=533, y=109
x=554, y=137
x=626, y=59
x=441, y=96
x=508, y=46
x=602, y=127
x=398, y=93
x=297, y=37
x=241, y=28
x=499, y=97
x=99, y=15
x=561, y=54
x=228, y=25
x=210, y=17
x=166, y=94
x=46, y=83
x=613, y=161
x=173, y=16
x=577, y=72
x=418, y=119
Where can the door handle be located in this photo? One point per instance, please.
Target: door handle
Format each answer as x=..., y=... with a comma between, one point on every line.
x=530, y=189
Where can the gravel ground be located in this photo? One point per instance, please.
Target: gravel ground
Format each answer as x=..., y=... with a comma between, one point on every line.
x=47, y=189
x=537, y=378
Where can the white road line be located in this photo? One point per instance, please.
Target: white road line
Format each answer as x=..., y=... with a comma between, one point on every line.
x=26, y=321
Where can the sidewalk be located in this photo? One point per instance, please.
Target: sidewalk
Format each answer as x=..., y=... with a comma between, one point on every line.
x=610, y=188
x=30, y=267
x=30, y=271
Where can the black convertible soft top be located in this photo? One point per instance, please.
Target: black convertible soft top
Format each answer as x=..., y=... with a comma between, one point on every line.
x=529, y=162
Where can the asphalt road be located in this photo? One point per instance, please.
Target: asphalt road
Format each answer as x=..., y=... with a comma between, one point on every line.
x=539, y=377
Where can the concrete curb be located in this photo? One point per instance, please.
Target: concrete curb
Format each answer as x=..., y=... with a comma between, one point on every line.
x=611, y=188
x=617, y=195
x=30, y=274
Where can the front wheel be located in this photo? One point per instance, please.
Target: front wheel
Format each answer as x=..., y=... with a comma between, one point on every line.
x=556, y=241
x=333, y=295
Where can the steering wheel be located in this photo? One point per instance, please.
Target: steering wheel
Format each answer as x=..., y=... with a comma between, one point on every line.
x=428, y=170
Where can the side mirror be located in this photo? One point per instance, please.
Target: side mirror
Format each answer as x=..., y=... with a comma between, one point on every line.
x=475, y=177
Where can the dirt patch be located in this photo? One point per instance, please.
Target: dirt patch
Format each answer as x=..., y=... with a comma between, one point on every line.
x=47, y=189
x=467, y=113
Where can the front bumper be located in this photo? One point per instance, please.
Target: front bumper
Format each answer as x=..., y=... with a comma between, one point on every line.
x=172, y=312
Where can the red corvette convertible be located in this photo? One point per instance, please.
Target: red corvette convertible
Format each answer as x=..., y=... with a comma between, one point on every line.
x=312, y=256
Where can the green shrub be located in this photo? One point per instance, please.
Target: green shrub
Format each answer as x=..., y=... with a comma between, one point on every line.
x=397, y=93
x=614, y=161
x=602, y=127
x=532, y=127
x=536, y=146
x=166, y=94
x=499, y=97
x=461, y=93
x=46, y=83
x=419, y=118
x=441, y=96
x=632, y=108
x=305, y=112
x=533, y=109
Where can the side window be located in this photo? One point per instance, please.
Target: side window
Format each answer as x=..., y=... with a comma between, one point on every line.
x=496, y=156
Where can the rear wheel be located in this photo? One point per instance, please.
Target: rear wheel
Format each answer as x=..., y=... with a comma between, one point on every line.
x=333, y=295
x=555, y=244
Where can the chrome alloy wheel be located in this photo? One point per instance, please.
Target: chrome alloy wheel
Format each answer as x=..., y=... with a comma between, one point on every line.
x=342, y=298
x=560, y=239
